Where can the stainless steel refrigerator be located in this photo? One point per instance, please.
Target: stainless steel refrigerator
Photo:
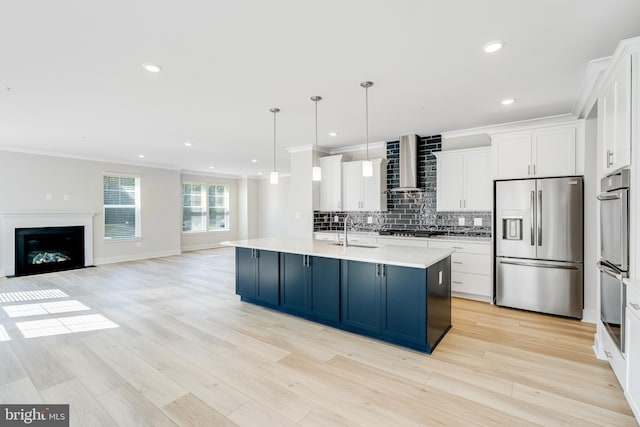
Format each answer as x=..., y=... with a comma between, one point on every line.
x=538, y=245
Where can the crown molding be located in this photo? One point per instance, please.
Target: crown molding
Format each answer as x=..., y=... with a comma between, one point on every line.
x=360, y=147
x=592, y=80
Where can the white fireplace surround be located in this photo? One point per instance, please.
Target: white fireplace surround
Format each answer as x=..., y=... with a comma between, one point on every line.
x=11, y=221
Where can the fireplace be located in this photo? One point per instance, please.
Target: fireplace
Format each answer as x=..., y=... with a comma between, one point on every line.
x=48, y=249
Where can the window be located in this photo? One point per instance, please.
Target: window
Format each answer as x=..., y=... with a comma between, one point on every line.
x=193, y=207
x=121, y=206
x=204, y=207
x=218, y=207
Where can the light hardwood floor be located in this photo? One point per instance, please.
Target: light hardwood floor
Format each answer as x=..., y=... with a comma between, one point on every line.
x=187, y=352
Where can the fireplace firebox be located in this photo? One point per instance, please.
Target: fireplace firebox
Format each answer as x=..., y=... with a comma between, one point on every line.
x=48, y=249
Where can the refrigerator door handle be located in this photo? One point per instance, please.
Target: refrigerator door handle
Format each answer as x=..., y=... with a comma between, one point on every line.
x=539, y=215
x=532, y=211
x=609, y=196
x=608, y=270
x=535, y=264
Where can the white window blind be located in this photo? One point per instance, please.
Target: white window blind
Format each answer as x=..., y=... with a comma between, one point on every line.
x=193, y=207
x=204, y=207
x=121, y=206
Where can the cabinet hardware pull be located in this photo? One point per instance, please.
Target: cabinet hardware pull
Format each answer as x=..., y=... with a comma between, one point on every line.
x=382, y=268
x=457, y=262
x=608, y=354
x=528, y=169
x=634, y=306
x=457, y=282
x=457, y=247
x=534, y=168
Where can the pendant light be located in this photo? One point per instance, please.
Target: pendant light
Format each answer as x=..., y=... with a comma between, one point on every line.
x=367, y=165
x=274, y=174
x=316, y=172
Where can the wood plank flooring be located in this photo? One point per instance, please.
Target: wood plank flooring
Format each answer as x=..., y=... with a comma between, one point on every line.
x=187, y=352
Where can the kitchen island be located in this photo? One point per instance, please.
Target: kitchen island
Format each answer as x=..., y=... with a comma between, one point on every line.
x=398, y=294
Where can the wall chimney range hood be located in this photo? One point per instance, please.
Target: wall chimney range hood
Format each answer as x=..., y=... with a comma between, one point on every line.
x=408, y=164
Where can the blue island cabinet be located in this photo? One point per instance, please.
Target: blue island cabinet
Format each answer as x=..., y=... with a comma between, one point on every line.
x=258, y=276
x=310, y=286
x=402, y=305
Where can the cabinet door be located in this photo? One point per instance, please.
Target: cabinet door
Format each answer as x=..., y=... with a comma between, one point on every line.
x=324, y=288
x=331, y=184
x=268, y=277
x=606, y=114
x=245, y=273
x=293, y=282
x=554, y=152
x=512, y=155
x=622, y=125
x=361, y=295
x=477, y=181
x=449, y=176
x=374, y=196
x=352, y=186
x=404, y=299
x=633, y=358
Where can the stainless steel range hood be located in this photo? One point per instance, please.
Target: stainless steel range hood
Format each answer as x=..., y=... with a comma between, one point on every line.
x=408, y=164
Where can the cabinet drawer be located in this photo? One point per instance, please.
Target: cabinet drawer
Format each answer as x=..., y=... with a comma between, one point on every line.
x=612, y=355
x=633, y=299
x=470, y=263
x=468, y=247
x=325, y=236
x=471, y=283
x=399, y=241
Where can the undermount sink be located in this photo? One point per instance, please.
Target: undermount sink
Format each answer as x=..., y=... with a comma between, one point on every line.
x=356, y=245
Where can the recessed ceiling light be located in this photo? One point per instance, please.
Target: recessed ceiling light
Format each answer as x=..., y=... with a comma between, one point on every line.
x=493, y=46
x=187, y=144
x=259, y=173
x=211, y=167
x=254, y=160
x=141, y=156
x=152, y=68
x=333, y=133
x=507, y=101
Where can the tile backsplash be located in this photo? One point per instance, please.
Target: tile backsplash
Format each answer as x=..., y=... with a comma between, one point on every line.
x=409, y=210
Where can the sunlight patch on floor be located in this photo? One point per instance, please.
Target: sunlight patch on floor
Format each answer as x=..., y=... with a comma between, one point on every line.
x=32, y=295
x=64, y=325
x=37, y=309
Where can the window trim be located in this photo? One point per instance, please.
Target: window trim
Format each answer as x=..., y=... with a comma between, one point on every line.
x=206, y=186
x=137, y=207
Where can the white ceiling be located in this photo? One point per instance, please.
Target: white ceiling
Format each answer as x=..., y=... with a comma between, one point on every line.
x=71, y=80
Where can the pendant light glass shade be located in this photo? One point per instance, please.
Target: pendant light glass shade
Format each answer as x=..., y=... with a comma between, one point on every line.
x=367, y=166
x=316, y=172
x=274, y=174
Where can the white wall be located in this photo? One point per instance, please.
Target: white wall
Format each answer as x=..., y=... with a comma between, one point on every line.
x=248, y=208
x=274, y=207
x=211, y=239
x=301, y=195
x=26, y=181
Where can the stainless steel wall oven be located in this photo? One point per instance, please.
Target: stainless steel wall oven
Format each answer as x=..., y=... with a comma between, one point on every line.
x=614, y=253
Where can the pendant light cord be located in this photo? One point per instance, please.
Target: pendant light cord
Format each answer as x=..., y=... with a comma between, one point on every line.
x=274, y=141
x=366, y=115
x=316, y=102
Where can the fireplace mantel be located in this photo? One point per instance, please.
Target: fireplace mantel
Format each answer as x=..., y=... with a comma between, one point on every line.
x=11, y=220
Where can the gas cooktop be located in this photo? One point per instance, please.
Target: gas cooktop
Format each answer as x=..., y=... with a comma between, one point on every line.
x=411, y=233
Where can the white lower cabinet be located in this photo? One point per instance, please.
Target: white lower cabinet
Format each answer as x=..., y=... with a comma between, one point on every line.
x=470, y=268
x=632, y=388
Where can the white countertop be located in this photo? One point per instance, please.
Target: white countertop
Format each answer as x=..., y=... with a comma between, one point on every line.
x=403, y=256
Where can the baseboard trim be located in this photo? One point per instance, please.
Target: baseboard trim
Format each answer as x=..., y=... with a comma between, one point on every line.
x=135, y=257
x=201, y=247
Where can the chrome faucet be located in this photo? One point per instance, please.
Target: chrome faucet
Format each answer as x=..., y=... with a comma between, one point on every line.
x=346, y=218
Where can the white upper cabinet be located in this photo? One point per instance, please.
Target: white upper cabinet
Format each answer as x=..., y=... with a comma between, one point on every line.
x=364, y=193
x=464, y=180
x=331, y=183
x=614, y=104
x=535, y=153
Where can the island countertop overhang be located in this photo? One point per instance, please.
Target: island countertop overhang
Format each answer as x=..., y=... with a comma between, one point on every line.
x=403, y=256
